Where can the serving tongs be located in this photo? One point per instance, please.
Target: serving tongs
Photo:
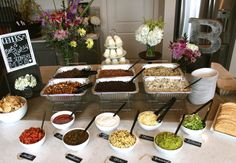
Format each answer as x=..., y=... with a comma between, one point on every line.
x=88, y=72
x=161, y=113
x=83, y=88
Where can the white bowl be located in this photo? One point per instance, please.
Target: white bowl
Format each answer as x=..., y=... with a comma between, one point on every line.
x=65, y=125
x=166, y=151
x=34, y=145
x=15, y=115
x=79, y=146
x=149, y=128
x=192, y=132
x=109, y=127
x=124, y=150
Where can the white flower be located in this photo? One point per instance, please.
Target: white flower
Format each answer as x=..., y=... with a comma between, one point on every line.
x=145, y=36
x=193, y=47
x=155, y=36
x=25, y=81
x=142, y=33
x=95, y=20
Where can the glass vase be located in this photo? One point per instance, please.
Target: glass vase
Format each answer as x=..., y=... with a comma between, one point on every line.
x=150, y=51
x=66, y=57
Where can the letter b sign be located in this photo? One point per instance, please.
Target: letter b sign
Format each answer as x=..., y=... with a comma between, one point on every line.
x=213, y=36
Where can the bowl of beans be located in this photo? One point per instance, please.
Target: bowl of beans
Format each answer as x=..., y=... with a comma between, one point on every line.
x=62, y=119
x=76, y=139
x=122, y=141
x=32, y=138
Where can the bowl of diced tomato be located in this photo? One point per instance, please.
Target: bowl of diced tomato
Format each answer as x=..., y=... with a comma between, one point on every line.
x=32, y=138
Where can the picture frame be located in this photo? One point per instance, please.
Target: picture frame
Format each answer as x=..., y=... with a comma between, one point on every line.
x=17, y=51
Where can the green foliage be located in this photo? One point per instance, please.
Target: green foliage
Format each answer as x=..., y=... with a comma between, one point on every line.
x=155, y=23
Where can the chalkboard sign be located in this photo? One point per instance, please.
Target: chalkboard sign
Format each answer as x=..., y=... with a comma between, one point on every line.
x=17, y=50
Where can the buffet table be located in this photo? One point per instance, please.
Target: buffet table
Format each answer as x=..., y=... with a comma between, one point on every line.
x=215, y=147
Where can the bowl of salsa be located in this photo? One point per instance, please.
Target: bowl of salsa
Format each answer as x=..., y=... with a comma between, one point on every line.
x=62, y=119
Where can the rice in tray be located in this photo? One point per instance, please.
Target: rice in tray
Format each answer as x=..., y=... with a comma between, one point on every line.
x=161, y=71
x=167, y=85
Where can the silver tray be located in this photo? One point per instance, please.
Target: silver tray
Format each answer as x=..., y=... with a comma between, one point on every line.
x=178, y=95
x=167, y=65
x=115, y=67
x=64, y=97
x=68, y=68
x=115, y=95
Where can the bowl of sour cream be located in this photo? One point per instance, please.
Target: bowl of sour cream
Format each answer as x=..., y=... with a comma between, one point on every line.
x=106, y=122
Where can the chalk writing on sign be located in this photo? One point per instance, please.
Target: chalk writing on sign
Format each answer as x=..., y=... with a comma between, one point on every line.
x=17, y=50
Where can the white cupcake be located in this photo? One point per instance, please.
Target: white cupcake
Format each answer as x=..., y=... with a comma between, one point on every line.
x=108, y=61
x=107, y=40
x=115, y=61
x=122, y=60
x=113, y=53
x=118, y=41
x=107, y=53
x=119, y=51
x=111, y=43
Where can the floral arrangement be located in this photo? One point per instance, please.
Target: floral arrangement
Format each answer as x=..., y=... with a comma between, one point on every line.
x=66, y=29
x=25, y=81
x=183, y=51
x=150, y=33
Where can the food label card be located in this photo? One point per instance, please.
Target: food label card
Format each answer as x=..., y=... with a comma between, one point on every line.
x=160, y=160
x=58, y=136
x=104, y=136
x=27, y=156
x=117, y=160
x=192, y=142
x=146, y=137
x=73, y=158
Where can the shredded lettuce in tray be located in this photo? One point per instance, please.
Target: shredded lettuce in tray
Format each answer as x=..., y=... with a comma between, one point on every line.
x=193, y=122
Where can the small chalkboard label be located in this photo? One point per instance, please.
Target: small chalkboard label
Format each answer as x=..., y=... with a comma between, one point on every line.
x=58, y=135
x=160, y=160
x=146, y=137
x=117, y=160
x=104, y=136
x=27, y=156
x=192, y=142
x=17, y=50
x=73, y=158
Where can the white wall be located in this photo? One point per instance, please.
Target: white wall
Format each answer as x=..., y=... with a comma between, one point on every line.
x=232, y=68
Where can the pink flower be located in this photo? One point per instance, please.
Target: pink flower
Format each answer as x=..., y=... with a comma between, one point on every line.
x=60, y=35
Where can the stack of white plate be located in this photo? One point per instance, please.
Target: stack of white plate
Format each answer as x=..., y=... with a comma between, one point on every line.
x=204, y=90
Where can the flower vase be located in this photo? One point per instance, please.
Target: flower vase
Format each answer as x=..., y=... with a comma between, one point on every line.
x=27, y=92
x=150, y=51
x=150, y=54
x=66, y=57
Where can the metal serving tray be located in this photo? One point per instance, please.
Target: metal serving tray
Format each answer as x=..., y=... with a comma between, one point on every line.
x=68, y=68
x=167, y=65
x=64, y=97
x=115, y=67
x=165, y=95
x=115, y=95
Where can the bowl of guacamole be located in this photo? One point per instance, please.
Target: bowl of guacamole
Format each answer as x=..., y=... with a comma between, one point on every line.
x=168, y=142
x=193, y=125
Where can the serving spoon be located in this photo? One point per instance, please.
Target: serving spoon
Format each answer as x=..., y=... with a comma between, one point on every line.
x=193, y=83
x=44, y=116
x=90, y=123
x=134, y=64
x=119, y=109
x=135, y=119
x=137, y=75
x=177, y=130
x=83, y=88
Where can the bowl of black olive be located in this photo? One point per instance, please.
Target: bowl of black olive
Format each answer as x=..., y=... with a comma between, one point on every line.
x=76, y=139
